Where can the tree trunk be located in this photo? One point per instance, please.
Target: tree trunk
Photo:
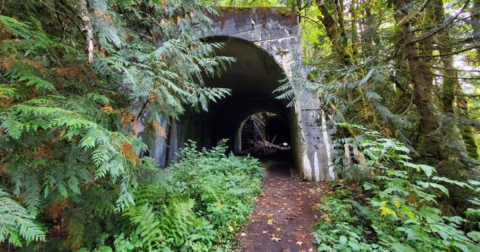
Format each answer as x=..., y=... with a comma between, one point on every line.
x=451, y=85
x=336, y=35
x=475, y=13
x=87, y=29
x=426, y=46
x=429, y=144
x=353, y=20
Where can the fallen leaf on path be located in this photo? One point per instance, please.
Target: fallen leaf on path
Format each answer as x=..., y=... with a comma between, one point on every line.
x=299, y=243
x=264, y=231
x=243, y=234
x=278, y=229
x=274, y=238
x=270, y=222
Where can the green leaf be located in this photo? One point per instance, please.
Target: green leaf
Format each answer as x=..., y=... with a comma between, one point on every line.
x=461, y=246
x=474, y=235
x=474, y=182
x=104, y=249
x=354, y=245
x=452, y=182
x=428, y=170
x=434, y=185
x=368, y=186
x=399, y=247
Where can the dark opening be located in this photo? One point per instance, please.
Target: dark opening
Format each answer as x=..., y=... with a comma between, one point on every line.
x=252, y=79
x=264, y=134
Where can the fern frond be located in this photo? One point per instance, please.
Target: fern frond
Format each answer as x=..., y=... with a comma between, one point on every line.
x=16, y=222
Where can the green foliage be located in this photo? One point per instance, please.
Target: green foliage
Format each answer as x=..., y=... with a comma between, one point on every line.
x=196, y=205
x=395, y=208
x=17, y=224
x=245, y=3
x=69, y=163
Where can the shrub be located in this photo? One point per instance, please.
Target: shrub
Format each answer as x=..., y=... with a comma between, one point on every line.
x=396, y=208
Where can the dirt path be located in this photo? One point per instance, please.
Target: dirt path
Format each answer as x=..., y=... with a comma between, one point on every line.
x=283, y=215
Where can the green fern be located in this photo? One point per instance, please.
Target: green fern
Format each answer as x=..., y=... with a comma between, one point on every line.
x=69, y=129
x=17, y=225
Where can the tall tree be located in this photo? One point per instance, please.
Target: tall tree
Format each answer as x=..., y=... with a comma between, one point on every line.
x=421, y=86
x=452, y=93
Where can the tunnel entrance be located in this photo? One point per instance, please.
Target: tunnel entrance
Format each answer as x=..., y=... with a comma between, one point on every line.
x=266, y=44
x=252, y=80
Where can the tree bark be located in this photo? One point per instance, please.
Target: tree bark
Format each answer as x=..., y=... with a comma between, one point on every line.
x=475, y=14
x=87, y=29
x=429, y=144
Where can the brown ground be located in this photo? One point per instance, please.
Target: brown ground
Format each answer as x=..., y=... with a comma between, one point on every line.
x=283, y=214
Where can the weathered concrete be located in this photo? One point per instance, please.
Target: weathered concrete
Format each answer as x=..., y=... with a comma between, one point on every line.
x=266, y=43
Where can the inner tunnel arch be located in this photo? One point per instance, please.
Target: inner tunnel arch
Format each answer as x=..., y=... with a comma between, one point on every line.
x=266, y=127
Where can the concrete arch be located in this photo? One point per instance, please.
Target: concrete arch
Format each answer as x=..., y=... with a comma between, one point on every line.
x=265, y=42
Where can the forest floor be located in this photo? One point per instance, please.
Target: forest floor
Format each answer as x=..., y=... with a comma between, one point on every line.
x=284, y=214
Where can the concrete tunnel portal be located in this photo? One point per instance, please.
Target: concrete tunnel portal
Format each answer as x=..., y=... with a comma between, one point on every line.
x=265, y=43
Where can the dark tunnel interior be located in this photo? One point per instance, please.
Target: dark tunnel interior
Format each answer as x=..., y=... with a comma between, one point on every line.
x=252, y=80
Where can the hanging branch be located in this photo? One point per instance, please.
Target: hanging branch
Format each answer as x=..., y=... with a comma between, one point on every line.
x=88, y=29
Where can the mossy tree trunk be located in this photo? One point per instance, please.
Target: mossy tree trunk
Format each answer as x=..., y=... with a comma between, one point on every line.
x=429, y=143
x=337, y=35
x=452, y=93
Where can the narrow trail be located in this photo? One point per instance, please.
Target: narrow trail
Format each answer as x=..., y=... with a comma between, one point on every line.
x=283, y=215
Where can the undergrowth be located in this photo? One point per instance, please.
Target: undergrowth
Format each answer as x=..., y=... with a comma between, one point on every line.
x=393, y=204
x=71, y=127
x=196, y=205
